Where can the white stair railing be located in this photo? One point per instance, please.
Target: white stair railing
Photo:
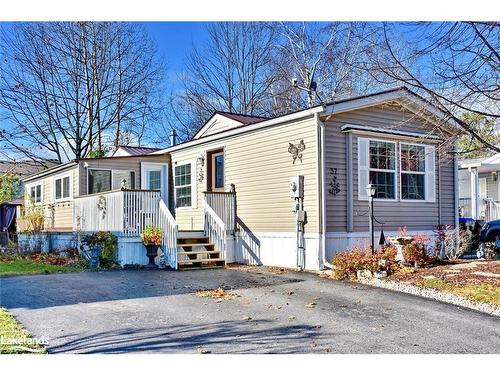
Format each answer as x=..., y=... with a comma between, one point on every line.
x=215, y=229
x=169, y=242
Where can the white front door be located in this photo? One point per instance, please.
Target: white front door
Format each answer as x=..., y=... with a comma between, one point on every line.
x=154, y=176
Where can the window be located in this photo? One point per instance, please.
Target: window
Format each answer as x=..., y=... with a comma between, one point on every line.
x=183, y=185
x=412, y=171
x=36, y=193
x=219, y=171
x=98, y=181
x=123, y=179
x=382, y=168
x=154, y=180
x=62, y=188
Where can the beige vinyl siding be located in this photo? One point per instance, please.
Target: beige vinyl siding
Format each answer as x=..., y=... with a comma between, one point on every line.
x=395, y=214
x=118, y=163
x=260, y=166
x=58, y=215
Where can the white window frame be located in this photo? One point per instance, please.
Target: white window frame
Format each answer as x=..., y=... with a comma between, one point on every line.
x=61, y=177
x=194, y=191
x=35, y=184
x=98, y=169
x=412, y=172
x=395, y=170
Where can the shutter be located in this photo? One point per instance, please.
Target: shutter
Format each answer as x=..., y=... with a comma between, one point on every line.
x=430, y=174
x=363, y=164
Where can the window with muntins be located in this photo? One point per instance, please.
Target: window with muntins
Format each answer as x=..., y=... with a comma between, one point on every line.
x=382, y=168
x=183, y=185
x=412, y=171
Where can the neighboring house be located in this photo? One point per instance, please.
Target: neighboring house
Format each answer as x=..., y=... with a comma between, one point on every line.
x=134, y=151
x=230, y=184
x=479, y=188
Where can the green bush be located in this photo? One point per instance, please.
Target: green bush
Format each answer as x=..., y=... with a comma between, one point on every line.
x=109, y=247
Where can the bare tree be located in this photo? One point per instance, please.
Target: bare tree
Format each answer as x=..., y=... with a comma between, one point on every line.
x=69, y=89
x=230, y=72
x=322, y=59
x=453, y=65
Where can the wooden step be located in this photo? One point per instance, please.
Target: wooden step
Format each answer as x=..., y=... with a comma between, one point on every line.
x=192, y=240
x=198, y=252
x=206, y=260
x=186, y=245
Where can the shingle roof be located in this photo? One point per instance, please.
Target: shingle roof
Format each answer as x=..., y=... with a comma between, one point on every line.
x=25, y=168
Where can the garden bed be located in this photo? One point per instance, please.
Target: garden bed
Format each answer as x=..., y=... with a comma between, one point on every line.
x=39, y=263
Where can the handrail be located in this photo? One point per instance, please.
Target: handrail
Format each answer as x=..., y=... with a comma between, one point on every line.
x=114, y=191
x=169, y=241
x=215, y=229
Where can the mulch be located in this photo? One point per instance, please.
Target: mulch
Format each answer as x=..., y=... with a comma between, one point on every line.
x=458, y=272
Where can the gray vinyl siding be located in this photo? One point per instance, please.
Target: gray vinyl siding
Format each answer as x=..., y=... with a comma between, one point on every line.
x=395, y=214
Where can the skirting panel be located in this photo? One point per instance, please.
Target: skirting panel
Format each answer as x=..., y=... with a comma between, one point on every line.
x=273, y=249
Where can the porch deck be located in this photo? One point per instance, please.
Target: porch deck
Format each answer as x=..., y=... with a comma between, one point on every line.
x=129, y=212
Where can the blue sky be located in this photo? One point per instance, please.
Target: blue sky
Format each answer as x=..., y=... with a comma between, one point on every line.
x=175, y=40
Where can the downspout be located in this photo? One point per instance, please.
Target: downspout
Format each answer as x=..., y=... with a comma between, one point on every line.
x=322, y=215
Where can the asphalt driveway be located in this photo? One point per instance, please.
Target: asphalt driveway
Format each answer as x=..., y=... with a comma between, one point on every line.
x=156, y=311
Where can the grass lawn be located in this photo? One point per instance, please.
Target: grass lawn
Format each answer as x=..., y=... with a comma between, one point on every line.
x=14, y=338
x=477, y=292
x=29, y=267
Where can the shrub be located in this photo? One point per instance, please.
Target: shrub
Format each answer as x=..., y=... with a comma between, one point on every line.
x=347, y=263
x=415, y=252
x=33, y=217
x=152, y=235
x=109, y=246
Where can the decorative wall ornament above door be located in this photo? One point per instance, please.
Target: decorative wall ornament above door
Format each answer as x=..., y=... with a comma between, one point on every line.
x=297, y=150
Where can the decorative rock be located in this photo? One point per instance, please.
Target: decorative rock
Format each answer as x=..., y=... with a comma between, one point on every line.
x=380, y=274
x=364, y=274
x=464, y=266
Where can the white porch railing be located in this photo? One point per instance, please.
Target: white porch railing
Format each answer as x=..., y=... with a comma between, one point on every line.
x=169, y=242
x=224, y=205
x=215, y=229
x=488, y=208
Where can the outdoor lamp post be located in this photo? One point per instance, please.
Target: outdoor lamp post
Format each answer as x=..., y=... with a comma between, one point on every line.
x=370, y=190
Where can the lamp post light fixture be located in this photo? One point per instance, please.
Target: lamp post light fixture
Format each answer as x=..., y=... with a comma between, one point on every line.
x=371, y=190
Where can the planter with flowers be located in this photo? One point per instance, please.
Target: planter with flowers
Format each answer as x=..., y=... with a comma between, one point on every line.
x=151, y=237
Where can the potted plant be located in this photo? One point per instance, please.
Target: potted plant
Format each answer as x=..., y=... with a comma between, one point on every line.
x=151, y=237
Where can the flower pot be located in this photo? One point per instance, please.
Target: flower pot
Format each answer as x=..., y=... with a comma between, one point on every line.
x=151, y=253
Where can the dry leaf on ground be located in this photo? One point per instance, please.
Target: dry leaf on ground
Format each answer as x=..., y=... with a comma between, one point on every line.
x=246, y=317
x=219, y=294
x=311, y=305
x=202, y=350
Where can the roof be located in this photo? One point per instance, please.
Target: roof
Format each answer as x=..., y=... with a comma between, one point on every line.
x=134, y=150
x=47, y=171
x=400, y=94
x=486, y=164
x=24, y=168
x=244, y=119
x=236, y=120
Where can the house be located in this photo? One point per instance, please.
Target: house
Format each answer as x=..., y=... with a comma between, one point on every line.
x=284, y=191
x=479, y=188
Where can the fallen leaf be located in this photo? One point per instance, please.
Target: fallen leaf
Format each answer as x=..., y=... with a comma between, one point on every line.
x=268, y=305
x=291, y=317
x=220, y=294
x=328, y=350
x=246, y=317
x=311, y=305
x=279, y=307
x=313, y=345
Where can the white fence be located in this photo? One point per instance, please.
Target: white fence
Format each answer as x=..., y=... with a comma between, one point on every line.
x=488, y=208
